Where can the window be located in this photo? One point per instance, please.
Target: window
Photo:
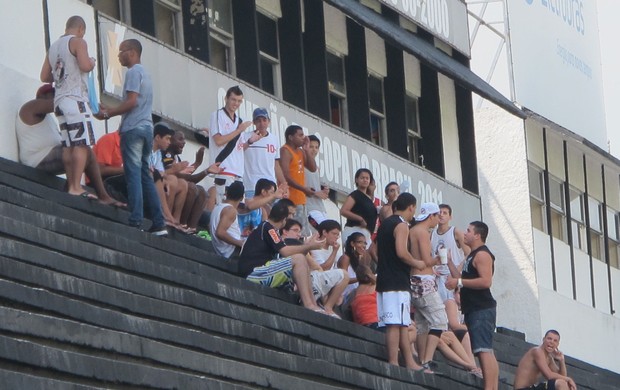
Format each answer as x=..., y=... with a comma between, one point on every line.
x=167, y=22
x=269, y=62
x=613, y=234
x=221, y=35
x=537, y=197
x=596, y=228
x=558, y=211
x=413, y=129
x=378, y=134
x=578, y=227
x=108, y=7
x=337, y=89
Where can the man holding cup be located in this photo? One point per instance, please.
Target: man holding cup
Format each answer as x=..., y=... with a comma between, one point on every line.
x=430, y=314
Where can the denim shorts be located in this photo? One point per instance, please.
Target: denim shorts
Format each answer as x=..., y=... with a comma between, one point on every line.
x=481, y=326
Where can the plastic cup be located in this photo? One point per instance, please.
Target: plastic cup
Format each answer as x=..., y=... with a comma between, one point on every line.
x=443, y=255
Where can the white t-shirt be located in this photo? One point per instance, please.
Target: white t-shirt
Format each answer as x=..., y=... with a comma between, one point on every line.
x=223, y=248
x=222, y=124
x=36, y=141
x=260, y=161
x=155, y=161
x=314, y=203
x=321, y=255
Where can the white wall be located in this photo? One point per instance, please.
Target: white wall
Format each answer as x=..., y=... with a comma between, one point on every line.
x=449, y=129
x=20, y=65
x=500, y=144
x=586, y=333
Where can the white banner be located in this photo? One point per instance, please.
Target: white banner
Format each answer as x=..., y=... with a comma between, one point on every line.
x=556, y=63
x=188, y=91
x=445, y=19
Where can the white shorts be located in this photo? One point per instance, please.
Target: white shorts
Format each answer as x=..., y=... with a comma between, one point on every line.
x=393, y=308
x=76, y=122
x=324, y=281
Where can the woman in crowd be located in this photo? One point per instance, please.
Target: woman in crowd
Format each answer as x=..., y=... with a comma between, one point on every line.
x=355, y=253
x=359, y=208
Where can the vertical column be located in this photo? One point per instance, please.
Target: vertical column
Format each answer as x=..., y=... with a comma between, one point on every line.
x=292, y=54
x=357, y=81
x=246, y=41
x=317, y=89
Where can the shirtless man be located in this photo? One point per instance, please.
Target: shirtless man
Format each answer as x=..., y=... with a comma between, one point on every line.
x=392, y=190
x=430, y=314
x=547, y=361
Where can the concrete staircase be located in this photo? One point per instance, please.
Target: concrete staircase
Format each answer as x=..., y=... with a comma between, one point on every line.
x=87, y=302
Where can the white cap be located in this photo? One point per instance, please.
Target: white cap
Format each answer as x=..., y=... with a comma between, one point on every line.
x=426, y=210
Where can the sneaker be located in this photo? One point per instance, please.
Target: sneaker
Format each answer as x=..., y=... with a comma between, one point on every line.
x=158, y=231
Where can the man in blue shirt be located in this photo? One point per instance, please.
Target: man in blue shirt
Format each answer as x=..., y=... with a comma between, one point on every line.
x=136, y=132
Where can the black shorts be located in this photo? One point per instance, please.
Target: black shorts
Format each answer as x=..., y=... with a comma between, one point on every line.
x=548, y=385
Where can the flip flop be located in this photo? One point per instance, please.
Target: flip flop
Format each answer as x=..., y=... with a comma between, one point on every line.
x=476, y=372
x=319, y=310
x=88, y=195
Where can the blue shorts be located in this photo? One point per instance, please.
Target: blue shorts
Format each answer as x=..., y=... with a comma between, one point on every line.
x=274, y=273
x=481, y=326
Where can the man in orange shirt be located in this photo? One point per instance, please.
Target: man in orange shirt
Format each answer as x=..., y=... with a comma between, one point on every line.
x=294, y=156
x=108, y=152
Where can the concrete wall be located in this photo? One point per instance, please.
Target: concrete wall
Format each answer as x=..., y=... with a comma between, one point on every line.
x=587, y=333
x=502, y=163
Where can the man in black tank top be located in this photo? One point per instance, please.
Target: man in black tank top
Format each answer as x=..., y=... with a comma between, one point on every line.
x=393, y=292
x=477, y=302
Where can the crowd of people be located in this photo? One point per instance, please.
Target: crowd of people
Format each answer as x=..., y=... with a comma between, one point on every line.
x=402, y=270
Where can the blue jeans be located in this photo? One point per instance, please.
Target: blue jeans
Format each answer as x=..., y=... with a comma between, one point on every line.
x=136, y=147
x=481, y=326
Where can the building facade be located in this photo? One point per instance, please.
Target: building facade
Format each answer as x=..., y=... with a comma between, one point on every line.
x=565, y=251
x=386, y=85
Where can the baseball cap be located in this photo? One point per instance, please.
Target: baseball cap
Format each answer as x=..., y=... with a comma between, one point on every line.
x=260, y=112
x=45, y=89
x=427, y=210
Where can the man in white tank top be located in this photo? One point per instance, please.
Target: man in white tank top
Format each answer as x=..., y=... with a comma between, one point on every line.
x=451, y=238
x=67, y=64
x=223, y=223
x=40, y=146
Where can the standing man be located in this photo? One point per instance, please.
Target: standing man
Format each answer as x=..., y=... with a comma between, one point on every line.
x=136, y=132
x=393, y=269
x=314, y=203
x=430, y=313
x=67, y=64
x=262, y=155
x=450, y=238
x=294, y=157
x=226, y=140
x=545, y=360
x=392, y=190
x=477, y=302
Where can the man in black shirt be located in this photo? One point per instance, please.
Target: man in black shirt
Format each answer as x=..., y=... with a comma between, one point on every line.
x=259, y=262
x=477, y=302
x=393, y=290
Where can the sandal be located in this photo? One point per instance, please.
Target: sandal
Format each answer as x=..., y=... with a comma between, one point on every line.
x=476, y=371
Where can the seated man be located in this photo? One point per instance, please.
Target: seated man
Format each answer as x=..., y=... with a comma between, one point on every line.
x=40, y=147
x=547, y=361
x=172, y=191
x=256, y=209
x=223, y=223
x=259, y=262
x=108, y=153
x=328, y=282
x=196, y=195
